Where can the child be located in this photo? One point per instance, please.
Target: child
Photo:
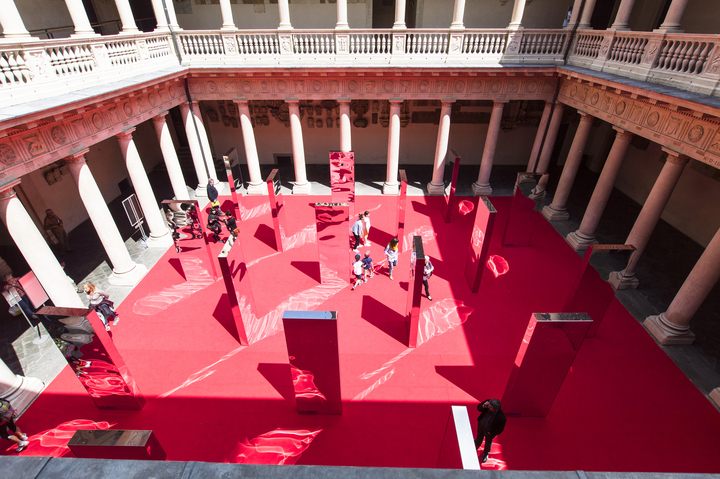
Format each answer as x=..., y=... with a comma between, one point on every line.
x=8, y=429
x=357, y=271
x=391, y=251
x=366, y=228
x=100, y=302
x=367, y=266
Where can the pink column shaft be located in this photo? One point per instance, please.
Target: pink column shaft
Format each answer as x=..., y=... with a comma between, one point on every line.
x=393, y=158
x=437, y=184
x=587, y=14
x=345, y=132
x=549, y=143
x=674, y=17
x=539, y=136
x=298, y=149
x=623, y=15
x=482, y=186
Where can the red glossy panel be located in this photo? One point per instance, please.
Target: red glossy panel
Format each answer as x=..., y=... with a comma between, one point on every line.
x=238, y=284
x=34, y=289
x=333, y=229
x=234, y=177
x=524, y=212
x=479, y=243
x=401, y=208
x=342, y=179
x=454, y=167
x=414, y=297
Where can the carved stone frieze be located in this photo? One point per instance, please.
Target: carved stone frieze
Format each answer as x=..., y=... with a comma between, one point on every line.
x=680, y=131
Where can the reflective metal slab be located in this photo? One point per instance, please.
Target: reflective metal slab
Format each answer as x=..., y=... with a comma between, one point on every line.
x=312, y=344
x=527, y=201
x=591, y=293
x=116, y=444
x=401, y=206
x=452, y=167
x=458, y=450
x=414, y=297
x=34, y=290
x=342, y=179
x=235, y=179
x=238, y=285
x=277, y=207
x=548, y=349
x=91, y=353
x=333, y=238
x=203, y=221
x=479, y=243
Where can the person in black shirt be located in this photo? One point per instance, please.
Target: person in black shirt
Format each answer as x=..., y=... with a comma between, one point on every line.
x=231, y=224
x=214, y=224
x=491, y=422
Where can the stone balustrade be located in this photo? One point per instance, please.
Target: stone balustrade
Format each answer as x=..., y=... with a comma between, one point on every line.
x=690, y=62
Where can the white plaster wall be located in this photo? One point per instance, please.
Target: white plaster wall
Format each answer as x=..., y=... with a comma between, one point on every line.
x=37, y=14
x=491, y=14
x=702, y=16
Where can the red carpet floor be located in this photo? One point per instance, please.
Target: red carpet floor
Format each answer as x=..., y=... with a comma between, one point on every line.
x=623, y=407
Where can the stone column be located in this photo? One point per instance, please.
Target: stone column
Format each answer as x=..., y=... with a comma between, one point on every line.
x=623, y=15
x=345, y=125
x=227, y=16
x=157, y=224
x=437, y=184
x=648, y=218
x=256, y=186
x=342, y=22
x=204, y=143
x=195, y=150
x=715, y=396
x=587, y=14
x=301, y=186
x=539, y=136
x=673, y=17
x=393, y=157
x=574, y=15
x=284, y=9
x=177, y=180
x=482, y=186
x=549, y=143
x=557, y=211
x=399, y=14
x=35, y=250
x=79, y=18
x=19, y=391
x=125, y=271
x=126, y=16
x=585, y=235
x=517, y=14
x=458, y=14
x=673, y=326
x=171, y=13
x=159, y=11
x=12, y=24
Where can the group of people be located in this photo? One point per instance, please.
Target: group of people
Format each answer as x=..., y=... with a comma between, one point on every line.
x=361, y=230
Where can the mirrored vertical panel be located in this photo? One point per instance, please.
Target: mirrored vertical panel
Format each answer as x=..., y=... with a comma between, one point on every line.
x=80, y=336
x=524, y=213
x=235, y=179
x=238, y=284
x=312, y=344
x=479, y=243
x=591, y=293
x=548, y=349
x=342, y=179
x=333, y=239
x=412, y=311
x=458, y=450
x=401, y=206
x=452, y=168
x=195, y=218
x=277, y=207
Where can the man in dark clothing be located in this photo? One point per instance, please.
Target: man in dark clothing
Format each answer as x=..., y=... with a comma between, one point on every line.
x=212, y=192
x=491, y=422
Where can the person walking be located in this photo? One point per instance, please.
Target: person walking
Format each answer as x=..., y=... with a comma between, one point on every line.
x=427, y=272
x=391, y=252
x=214, y=224
x=13, y=289
x=357, y=230
x=491, y=422
x=367, y=266
x=8, y=429
x=357, y=271
x=366, y=228
x=100, y=302
x=212, y=193
x=231, y=224
x=54, y=225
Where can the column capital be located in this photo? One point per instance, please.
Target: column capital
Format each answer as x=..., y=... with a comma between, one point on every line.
x=241, y=101
x=160, y=118
x=6, y=188
x=77, y=157
x=344, y=100
x=448, y=101
x=585, y=116
x=622, y=133
x=292, y=101
x=500, y=103
x=675, y=157
x=125, y=135
x=396, y=101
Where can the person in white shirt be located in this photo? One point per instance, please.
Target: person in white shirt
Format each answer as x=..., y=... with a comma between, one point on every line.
x=357, y=271
x=391, y=252
x=366, y=228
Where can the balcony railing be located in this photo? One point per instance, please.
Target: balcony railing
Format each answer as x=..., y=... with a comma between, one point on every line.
x=691, y=62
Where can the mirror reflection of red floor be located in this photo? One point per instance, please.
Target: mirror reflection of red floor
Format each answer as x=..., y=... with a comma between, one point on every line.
x=620, y=408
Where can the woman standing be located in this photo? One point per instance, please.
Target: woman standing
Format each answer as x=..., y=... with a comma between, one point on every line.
x=100, y=302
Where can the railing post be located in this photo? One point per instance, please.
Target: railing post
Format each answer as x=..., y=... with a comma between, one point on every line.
x=38, y=63
x=399, y=40
x=342, y=46
x=100, y=55
x=512, y=51
x=711, y=71
x=229, y=40
x=605, y=50
x=287, y=51
x=455, y=50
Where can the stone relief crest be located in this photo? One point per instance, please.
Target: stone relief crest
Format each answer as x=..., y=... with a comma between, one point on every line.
x=342, y=45
x=620, y=108
x=7, y=154
x=38, y=64
x=653, y=119
x=152, y=98
x=285, y=45
x=127, y=108
x=399, y=44
x=650, y=52
x=35, y=145
x=594, y=98
x=230, y=45
x=143, y=49
x=455, y=43
x=58, y=135
x=605, y=47
x=212, y=87
x=673, y=126
x=715, y=145
x=696, y=133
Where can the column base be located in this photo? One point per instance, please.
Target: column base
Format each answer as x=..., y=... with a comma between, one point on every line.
x=715, y=396
x=667, y=333
x=436, y=189
x=579, y=241
x=259, y=189
x=552, y=213
x=201, y=190
x=620, y=281
x=538, y=196
x=481, y=190
x=24, y=393
x=303, y=189
x=529, y=178
x=391, y=189
x=164, y=241
x=131, y=278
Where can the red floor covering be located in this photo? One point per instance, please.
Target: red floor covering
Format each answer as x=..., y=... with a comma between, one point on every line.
x=623, y=407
